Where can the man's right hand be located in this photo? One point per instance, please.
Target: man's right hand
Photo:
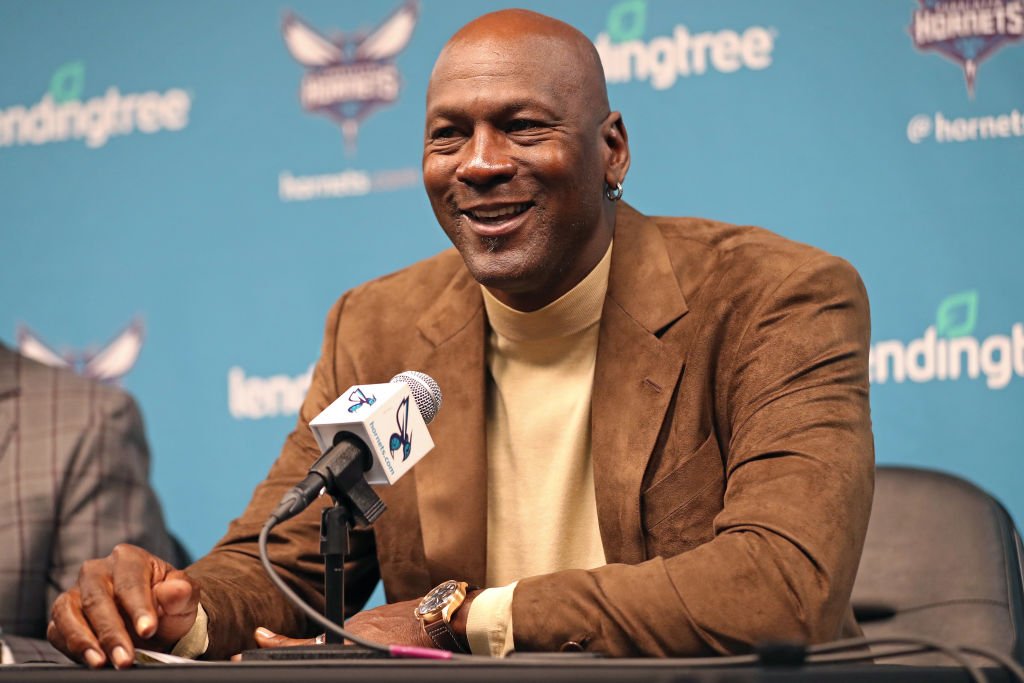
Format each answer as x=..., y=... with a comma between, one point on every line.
x=126, y=599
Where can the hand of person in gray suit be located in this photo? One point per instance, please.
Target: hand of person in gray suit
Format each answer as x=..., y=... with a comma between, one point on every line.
x=129, y=598
x=74, y=468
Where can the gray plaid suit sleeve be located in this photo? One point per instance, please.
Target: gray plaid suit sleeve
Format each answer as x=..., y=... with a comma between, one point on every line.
x=74, y=482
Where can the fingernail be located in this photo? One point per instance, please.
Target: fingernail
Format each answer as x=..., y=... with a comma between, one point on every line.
x=121, y=658
x=93, y=658
x=265, y=633
x=145, y=625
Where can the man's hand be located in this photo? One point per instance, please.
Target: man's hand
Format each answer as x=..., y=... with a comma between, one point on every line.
x=126, y=599
x=393, y=624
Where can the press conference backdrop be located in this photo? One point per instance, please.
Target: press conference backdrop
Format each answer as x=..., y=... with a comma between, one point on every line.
x=187, y=187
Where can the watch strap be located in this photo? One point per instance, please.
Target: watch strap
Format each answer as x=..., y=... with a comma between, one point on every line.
x=443, y=637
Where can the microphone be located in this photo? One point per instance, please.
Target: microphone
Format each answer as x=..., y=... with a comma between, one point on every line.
x=351, y=435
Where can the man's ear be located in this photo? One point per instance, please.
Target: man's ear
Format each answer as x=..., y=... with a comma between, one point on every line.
x=616, y=148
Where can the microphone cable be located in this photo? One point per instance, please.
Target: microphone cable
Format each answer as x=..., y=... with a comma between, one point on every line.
x=846, y=651
x=400, y=651
x=853, y=650
x=913, y=645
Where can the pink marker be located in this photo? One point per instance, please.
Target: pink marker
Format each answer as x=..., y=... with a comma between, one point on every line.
x=412, y=652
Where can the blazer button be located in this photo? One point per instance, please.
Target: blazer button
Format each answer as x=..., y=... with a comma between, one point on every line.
x=577, y=644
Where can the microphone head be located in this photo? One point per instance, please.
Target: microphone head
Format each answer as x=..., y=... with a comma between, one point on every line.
x=424, y=390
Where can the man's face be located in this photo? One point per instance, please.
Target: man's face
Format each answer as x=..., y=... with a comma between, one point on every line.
x=513, y=166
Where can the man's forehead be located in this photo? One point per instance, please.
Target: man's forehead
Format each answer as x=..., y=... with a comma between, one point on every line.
x=511, y=53
x=518, y=55
x=517, y=26
x=499, y=76
x=535, y=62
x=495, y=95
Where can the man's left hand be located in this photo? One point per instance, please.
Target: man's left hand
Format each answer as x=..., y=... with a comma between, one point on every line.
x=393, y=624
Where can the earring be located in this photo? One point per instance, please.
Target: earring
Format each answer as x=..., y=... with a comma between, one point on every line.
x=613, y=193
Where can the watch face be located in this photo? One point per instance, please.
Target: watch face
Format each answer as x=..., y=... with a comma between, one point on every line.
x=435, y=599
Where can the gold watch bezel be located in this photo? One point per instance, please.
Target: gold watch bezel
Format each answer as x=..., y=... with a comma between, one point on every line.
x=448, y=607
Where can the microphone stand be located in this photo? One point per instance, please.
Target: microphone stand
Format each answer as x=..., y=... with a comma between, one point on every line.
x=334, y=527
x=354, y=501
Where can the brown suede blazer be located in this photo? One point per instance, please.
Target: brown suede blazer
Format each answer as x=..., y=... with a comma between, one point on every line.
x=732, y=448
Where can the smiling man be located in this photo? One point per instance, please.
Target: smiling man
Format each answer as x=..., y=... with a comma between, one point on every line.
x=656, y=437
x=518, y=155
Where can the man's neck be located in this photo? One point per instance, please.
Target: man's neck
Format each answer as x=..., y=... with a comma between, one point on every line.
x=536, y=299
x=574, y=311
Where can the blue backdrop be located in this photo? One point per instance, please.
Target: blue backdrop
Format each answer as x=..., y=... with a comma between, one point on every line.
x=175, y=219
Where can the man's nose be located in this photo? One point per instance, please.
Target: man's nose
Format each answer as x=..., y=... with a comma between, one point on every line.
x=487, y=160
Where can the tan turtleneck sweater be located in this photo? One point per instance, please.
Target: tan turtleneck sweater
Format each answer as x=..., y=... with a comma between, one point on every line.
x=541, y=509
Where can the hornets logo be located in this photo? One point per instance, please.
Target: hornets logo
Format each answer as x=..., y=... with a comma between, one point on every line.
x=349, y=76
x=358, y=399
x=402, y=439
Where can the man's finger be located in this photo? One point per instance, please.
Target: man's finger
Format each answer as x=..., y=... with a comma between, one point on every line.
x=133, y=577
x=267, y=638
x=103, y=615
x=70, y=633
x=92, y=655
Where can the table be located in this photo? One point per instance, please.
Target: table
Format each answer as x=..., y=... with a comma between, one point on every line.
x=419, y=671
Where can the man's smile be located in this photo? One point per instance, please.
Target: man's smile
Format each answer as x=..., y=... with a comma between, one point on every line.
x=495, y=219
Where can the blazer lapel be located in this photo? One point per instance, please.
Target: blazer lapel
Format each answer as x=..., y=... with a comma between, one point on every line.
x=451, y=482
x=635, y=377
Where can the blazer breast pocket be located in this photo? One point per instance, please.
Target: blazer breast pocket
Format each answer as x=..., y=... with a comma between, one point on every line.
x=679, y=508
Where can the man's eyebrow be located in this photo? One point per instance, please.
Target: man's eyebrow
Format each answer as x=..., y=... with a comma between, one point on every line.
x=508, y=108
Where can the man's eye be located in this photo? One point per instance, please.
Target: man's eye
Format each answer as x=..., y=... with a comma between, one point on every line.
x=444, y=133
x=520, y=125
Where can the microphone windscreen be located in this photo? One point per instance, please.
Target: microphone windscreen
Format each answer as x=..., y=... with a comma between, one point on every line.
x=425, y=392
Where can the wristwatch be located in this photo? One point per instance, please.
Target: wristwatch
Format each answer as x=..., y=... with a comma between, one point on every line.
x=435, y=611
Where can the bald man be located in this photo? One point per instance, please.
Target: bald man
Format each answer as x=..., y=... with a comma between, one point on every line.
x=656, y=437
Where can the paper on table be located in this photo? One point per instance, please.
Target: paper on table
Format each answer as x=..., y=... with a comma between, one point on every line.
x=153, y=657
x=5, y=654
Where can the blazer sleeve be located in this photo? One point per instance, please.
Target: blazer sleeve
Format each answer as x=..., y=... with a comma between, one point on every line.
x=799, y=468
x=235, y=592
x=105, y=496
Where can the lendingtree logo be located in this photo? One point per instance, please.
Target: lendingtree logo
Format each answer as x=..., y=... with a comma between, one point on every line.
x=663, y=59
x=948, y=350
x=254, y=398
x=63, y=114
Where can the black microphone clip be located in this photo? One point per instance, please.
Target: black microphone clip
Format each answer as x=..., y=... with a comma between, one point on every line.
x=338, y=472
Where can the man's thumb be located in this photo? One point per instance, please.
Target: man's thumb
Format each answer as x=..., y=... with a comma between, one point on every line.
x=177, y=600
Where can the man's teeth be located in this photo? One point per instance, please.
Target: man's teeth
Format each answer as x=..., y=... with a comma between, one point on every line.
x=498, y=213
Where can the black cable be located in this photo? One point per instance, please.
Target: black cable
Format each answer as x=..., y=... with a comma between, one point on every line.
x=1008, y=663
x=853, y=650
x=1013, y=667
x=832, y=652
x=295, y=599
x=861, y=656
x=950, y=651
x=838, y=657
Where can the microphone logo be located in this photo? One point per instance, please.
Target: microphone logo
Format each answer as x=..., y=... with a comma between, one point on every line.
x=402, y=439
x=359, y=399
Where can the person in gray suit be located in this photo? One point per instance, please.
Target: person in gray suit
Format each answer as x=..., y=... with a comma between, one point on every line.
x=74, y=482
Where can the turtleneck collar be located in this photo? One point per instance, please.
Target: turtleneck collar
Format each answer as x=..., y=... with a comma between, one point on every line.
x=576, y=310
